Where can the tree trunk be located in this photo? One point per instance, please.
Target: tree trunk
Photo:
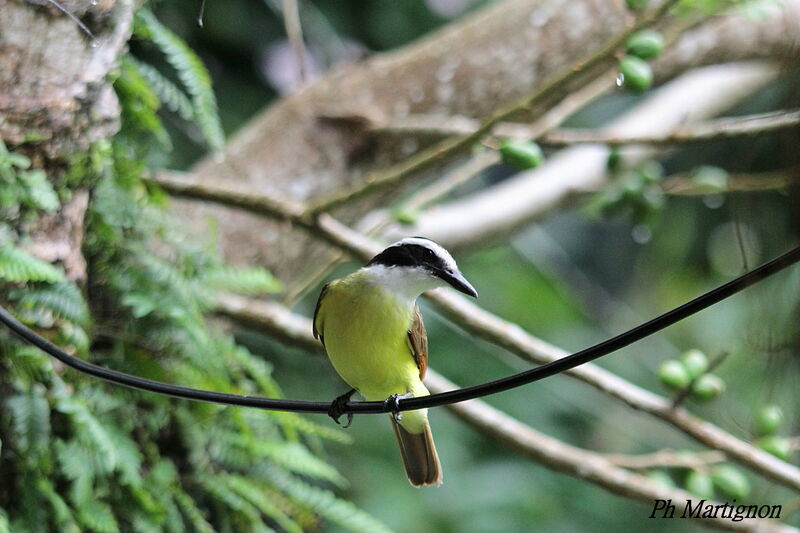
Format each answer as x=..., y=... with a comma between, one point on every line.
x=56, y=101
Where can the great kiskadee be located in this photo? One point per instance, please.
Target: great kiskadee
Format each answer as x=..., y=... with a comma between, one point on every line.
x=373, y=333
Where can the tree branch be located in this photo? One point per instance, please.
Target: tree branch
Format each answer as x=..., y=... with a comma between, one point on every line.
x=427, y=158
x=529, y=195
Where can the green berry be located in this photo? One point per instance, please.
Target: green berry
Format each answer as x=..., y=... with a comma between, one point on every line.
x=768, y=419
x=522, y=155
x=695, y=361
x=673, y=374
x=778, y=446
x=645, y=44
x=406, y=216
x=659, y=477
x=636, y=72
x=707, y=387
x=731, y=481
x=700, y=484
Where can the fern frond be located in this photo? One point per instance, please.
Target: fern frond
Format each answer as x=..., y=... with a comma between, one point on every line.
x=21, y=267
x=296, y=458
x=327, y=505
x=139, y=104
x=169, y=93
x=98, y=517
x=30, y=414
x=192, y=513
x=257, y=496
x=215, y=486
x=193, y=76
x=241, y=280
x=63, y=299
x=62, y=514
x=91, y=432
x=40, y=192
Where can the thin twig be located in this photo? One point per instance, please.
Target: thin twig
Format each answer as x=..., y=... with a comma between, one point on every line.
x=84, y=28
x=666, y=459
x=431, y=156
x=294, y=31
x=684, y=185
x=710, y=130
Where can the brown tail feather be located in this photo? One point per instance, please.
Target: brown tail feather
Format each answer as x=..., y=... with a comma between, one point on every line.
x=419, y=456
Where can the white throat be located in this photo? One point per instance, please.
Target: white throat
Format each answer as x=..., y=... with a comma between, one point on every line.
x=404, y=283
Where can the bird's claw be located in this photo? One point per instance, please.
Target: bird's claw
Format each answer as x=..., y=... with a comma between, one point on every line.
x=337, y=407
x=392, y=404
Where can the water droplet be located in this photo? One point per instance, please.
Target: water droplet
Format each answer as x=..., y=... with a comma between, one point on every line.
x=641, y=234
x=620, y=79
x=713, y=201
x=94, y=43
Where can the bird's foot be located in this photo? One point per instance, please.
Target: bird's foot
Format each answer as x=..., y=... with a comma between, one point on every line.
x=336, y=409
x=392, y=404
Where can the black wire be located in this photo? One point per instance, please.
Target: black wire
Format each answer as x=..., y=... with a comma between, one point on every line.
x=468, y=393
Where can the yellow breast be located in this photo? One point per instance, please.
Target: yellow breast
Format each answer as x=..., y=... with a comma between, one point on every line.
x=365, y=330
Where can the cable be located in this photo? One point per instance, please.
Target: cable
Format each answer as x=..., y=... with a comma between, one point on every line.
x=467, y=393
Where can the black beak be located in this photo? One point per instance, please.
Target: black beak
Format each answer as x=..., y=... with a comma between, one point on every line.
x=458, y=282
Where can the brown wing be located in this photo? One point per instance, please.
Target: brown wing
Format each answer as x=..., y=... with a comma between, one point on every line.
x=314, y=330
x=418, y=342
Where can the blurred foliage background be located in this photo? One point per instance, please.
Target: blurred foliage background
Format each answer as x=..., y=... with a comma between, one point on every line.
x=573, y=280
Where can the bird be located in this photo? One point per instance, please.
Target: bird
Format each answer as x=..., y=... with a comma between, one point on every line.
x=372, y=331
